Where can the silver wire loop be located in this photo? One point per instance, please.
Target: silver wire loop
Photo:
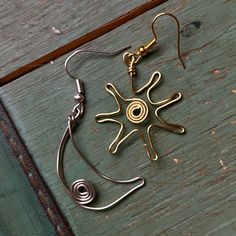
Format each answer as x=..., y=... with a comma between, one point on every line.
x=92, y=52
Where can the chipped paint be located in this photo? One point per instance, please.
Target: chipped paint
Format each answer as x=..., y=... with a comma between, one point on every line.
x=213, y=135
x=56, y=31
x=216, y=71
x=222, y=164
x=177, y=161
x=191, y=28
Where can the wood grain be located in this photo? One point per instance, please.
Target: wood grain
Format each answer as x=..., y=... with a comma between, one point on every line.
x=191, y=190
x=65, y=48
x=18, y=202
x=14, y=152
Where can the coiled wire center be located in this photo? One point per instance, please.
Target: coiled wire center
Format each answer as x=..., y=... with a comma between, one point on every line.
x=82, y=191
x=137, y=111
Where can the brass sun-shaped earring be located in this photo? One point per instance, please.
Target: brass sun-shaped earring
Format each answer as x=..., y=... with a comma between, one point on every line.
x=137, y=110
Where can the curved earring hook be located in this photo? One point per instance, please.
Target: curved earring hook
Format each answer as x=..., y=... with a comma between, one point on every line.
x=92, y=52
x=131, y=59
x=177, y=34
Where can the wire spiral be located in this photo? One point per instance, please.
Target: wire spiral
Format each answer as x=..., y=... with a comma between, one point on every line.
x=137, y=111
x=83, y=191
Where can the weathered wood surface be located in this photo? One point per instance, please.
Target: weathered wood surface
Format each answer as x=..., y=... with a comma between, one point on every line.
x=30, y=29
x=21, y=213
x=50, y=56
x=22, y=190
x=191, y=190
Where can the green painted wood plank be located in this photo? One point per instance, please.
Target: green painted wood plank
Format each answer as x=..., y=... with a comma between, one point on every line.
x=20, y=193
x=30, y=29
x=21, y=213
x=188, y=191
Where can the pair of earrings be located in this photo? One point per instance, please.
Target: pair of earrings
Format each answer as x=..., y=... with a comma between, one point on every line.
x=137, y=111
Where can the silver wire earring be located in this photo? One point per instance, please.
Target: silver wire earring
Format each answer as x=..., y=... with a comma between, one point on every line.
x=81, y=190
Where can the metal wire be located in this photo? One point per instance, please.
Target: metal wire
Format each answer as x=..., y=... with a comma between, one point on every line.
x=177, y=32
x=90, y=52
x=136, y=112
x=131, y=59
x=82, y=191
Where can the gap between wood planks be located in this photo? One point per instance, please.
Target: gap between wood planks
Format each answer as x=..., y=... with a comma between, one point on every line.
x=80, y=41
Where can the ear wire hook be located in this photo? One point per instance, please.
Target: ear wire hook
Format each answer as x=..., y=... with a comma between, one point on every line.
x=142, y=51
x=82, y=191
x=91, y=52
x=177, y=33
